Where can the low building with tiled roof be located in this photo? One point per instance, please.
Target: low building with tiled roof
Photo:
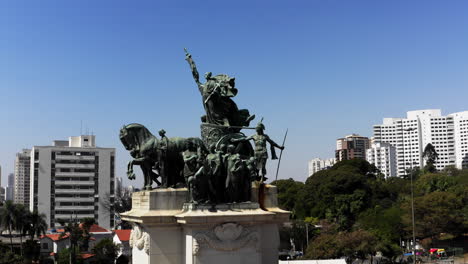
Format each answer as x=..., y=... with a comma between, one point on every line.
x=87, y=257
x=99, y=233
x=53, y=243
x=122, y=238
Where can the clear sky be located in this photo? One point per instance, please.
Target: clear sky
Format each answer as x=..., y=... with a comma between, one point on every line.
x=322, y=68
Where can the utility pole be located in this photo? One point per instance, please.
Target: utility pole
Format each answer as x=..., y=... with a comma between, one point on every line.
x=412, y=193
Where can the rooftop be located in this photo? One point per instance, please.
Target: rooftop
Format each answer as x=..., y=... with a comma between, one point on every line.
x=124, y=234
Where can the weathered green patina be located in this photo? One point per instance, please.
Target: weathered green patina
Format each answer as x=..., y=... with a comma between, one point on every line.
x=221, y=175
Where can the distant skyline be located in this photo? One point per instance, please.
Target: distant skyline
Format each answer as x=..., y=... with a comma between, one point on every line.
x=322, y=68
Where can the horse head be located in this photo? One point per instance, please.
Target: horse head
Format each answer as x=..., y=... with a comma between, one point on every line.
x=133, y=136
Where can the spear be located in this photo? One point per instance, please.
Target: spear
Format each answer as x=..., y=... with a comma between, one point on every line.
x=281, y=153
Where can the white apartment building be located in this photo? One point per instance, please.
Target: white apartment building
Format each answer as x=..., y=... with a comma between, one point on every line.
x=22, y=179
x=383, y=156
x=460, y=125
x=411, y=135
x=71, y=179
x=318, y=164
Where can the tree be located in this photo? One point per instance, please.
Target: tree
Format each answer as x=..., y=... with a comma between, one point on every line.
x=338, y=194
x=385, y=225
x=106, y=251
x=435, y=213
x=20, y=219
x=122, y=202
x=64, y=256
x=7, y=219
x=37, y=225
x=351, y=245
x=432, y=182
x=85, y=226
x=8, y=257
x=287, y=193
x=430, y=154
x=78, y=234
x=324, y=246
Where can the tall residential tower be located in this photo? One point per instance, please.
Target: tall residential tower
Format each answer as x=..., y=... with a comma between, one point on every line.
x=22, y=179
x=351, y=147
x=73, y=179
x=410, y=135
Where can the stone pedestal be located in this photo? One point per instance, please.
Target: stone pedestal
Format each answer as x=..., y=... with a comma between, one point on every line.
x=168, y=230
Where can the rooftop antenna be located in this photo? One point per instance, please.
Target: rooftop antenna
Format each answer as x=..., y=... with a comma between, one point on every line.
x=81, y=127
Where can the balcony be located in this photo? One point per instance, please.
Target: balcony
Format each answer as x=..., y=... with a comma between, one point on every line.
x=75, y=191
x=67, y=217
x=77, y=166
x=73, y=199
x=74, y=183
x=72, y=208
x=73, y=157
x=75, y=174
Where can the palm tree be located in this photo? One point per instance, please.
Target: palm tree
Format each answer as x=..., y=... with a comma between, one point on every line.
x=21, y=217
x=37, y=225
x=7, y=219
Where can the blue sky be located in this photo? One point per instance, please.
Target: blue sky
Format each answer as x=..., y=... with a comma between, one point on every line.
x=322, y=68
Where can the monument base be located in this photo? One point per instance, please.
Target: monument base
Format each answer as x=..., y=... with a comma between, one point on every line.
x=168, y=230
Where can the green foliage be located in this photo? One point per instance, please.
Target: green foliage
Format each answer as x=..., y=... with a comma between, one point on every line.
x=7, y=257
x=383, y=223
x=435, y=213
x=37, y=224
x=431, y=182
x=353, y=204
x=338, y=194
x=31, y=250
x=16, y=217
x=105, y=251
x=7, y=219
x=288, y=193
x=63, y=256
x=350, y=245
x=430, y=154
x=79, y=236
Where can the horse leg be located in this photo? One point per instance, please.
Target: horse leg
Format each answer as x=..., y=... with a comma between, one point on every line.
x=147, y=176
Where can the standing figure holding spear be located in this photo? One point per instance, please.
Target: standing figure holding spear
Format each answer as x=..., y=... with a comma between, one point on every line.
x=261, y=154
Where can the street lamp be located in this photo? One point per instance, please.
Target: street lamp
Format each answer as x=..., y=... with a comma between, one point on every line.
x=412, y=193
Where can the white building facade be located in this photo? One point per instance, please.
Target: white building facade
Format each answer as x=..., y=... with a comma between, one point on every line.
x=318, y=164
x=383, y=156
x=22, y=177
x=411, y=135
x=73, y=179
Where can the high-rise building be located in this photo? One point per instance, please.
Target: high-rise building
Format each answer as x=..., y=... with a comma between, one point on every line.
x=318, y=164
x=22, y=179
x=351, y=147
x=2, y=190
x=460, y=125
x=72, y=179
x=10, y=188
x=383, y=156
x=410, y=135
x=2, y=194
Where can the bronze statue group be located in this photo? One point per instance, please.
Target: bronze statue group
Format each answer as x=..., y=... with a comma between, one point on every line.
x=218, y=168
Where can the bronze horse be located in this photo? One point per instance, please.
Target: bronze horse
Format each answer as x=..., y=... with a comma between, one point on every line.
x=153, y=154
